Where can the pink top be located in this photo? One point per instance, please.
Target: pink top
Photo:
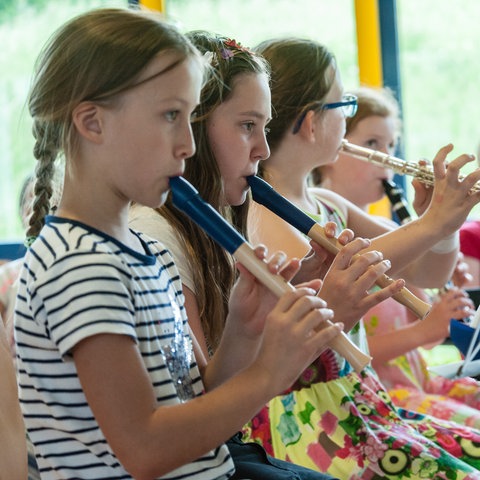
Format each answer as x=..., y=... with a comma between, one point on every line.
x=470, y=238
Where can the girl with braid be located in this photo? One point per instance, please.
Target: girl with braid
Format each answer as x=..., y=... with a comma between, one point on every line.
x=112, y=384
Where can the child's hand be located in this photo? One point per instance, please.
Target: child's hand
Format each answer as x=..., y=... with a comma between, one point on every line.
x=452, y=199
x=423, y=196
x=296, y=332
x=347, y=284
x=251, y=301
x=461, y=275
x=453, y=304
x=317, y=262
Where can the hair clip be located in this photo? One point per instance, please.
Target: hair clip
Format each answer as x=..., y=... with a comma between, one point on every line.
x=231, y=48
x=226, y=54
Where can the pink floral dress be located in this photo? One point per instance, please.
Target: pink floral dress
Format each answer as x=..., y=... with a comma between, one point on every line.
x=410, y=384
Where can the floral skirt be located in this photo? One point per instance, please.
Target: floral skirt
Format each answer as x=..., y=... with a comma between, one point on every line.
x=349, y=428
x=454, y=400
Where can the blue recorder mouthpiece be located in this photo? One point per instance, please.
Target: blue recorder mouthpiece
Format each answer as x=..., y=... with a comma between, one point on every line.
x=263, y=193
x=187, y=199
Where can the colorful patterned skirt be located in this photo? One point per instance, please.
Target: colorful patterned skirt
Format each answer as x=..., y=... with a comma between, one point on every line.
x=346, y=425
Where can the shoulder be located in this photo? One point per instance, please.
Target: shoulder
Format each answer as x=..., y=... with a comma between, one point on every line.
x=331, y=199
x=262, y=222
x=70, y=251
x=146, y=220
x=153, y=224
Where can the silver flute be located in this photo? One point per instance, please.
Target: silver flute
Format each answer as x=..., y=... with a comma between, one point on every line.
x=423, y=173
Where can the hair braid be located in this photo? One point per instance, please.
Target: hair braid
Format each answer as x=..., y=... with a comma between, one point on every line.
x=45, y=151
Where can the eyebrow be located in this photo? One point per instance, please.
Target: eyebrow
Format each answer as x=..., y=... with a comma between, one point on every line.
x=253, y=113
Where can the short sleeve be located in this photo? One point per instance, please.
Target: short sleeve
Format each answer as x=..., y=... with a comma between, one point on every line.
x=81, y=295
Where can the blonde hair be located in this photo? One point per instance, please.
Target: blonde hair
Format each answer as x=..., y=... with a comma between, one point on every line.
x=93, y=57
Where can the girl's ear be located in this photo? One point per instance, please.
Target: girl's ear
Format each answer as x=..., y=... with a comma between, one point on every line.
x=307, y=128
x=87, y=120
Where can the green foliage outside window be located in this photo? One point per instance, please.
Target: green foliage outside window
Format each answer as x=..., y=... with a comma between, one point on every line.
x=438, y=58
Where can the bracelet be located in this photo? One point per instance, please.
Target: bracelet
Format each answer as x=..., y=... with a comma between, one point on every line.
x=448, y=244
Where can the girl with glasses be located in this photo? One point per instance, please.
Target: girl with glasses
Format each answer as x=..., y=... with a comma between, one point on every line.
x=394, y=333
x=332, y=418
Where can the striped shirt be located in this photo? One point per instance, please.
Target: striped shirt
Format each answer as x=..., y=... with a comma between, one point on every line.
x=76, y=282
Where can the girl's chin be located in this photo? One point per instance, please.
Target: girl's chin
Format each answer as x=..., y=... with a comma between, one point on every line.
x=238, y=199
x=329, y=159
x=157, y=202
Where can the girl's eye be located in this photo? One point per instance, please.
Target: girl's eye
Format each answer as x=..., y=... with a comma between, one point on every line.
x=171, y=116
x=372, y=143
x=249, y=126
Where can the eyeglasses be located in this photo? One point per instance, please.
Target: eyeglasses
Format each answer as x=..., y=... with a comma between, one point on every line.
x=348, y=105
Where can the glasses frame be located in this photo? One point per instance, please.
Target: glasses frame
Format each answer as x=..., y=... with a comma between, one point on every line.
x=349, y=100
x=349, y=106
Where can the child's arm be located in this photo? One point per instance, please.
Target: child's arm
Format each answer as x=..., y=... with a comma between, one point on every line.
x=411, y=244
x=191, y=307
x=13, y=445
x=150, y=440
x=249, y=305
x=434, y=328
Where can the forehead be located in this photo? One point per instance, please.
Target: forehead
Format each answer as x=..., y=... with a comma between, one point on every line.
x=244, y=82
x=173, y=72
x=250, y=91
x=336, y=90
x=377, y=125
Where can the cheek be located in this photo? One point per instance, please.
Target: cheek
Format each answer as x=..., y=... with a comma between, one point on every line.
x=223, y=163
x=334, y=128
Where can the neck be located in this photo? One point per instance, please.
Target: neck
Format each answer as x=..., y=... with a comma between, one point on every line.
x=292, y=186
x=97, y=211
x=329, y=183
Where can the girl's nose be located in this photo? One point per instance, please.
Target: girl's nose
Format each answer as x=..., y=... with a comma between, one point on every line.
x=263, y=151
x=187, y=148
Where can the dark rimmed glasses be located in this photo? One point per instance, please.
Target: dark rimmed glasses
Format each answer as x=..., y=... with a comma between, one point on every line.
x=348, y=105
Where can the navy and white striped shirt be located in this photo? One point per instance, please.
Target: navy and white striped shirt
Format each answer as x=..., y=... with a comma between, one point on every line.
x=76, y=282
